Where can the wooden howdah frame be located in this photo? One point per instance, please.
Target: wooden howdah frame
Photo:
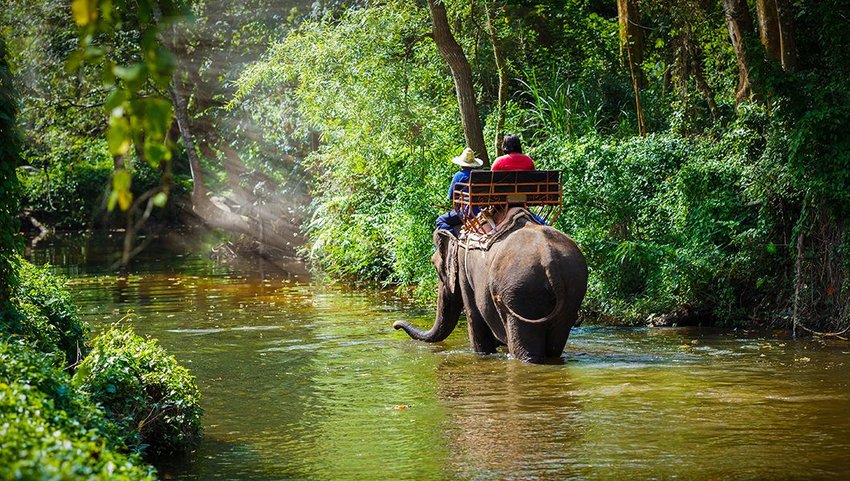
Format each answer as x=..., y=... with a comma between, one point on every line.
x=490, y=192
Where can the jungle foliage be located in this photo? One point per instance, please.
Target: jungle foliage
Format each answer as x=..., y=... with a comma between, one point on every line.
x=43, y=314
x=152, y=399
x=127, y=397
x=703, y=141
x=52, y=431
x=9, y=187
x=731, y=208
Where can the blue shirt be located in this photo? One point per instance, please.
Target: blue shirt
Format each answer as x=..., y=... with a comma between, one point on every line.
x=460, y=176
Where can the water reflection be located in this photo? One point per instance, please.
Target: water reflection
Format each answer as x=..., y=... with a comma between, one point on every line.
x=510, y=420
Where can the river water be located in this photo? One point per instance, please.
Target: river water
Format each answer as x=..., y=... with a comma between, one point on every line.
x=309, y=382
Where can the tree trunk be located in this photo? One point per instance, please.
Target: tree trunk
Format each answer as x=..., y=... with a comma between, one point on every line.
x=788, y=43
x=201, y=204
x=631, y=39
x=769, y=29
x=776, y=28
x=502, y=69
x=740, y=25
x=703, y=86
x=453, y=54
x=691, y=57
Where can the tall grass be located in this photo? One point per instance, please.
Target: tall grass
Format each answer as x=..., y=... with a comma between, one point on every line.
x=559, y=108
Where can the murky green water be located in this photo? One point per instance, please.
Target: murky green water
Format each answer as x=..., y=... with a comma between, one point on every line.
x=311, y=383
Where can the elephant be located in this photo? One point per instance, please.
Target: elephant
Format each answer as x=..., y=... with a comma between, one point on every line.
x=520, y=287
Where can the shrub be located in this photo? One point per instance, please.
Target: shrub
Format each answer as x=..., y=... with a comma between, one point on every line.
x=666, y=225
x=67, y=181
x=143, y=390
x=50, y=430
x=37, y=441
x=43, y=314
x=22, y=364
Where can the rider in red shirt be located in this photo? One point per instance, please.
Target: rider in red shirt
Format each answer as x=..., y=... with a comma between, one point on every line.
x=513, y=159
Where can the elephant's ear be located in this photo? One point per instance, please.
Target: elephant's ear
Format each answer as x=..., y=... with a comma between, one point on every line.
x=447, y=247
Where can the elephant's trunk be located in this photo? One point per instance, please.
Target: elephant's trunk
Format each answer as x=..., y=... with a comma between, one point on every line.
x=449, y=307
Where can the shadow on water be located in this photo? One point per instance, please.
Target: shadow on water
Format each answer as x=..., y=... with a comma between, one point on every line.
x=310, y=382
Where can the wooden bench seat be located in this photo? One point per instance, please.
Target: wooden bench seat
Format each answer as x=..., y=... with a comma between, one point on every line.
x=536, y=190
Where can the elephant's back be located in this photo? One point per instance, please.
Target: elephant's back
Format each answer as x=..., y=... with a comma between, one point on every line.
x=533, y=266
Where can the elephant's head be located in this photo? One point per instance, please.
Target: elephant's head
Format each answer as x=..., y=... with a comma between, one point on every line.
x=449, y=301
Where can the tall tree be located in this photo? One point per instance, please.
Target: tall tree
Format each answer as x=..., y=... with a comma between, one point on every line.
x=740, y=26
x=788, y=42
x=502, y=70
x=9, y=143
x=776, y=29
x=453, y=54
x=631, y=41
x=768, y=19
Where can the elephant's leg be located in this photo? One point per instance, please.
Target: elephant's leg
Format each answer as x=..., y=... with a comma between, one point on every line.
x=557, y=336
x=559, y=331
x=526, y=340
x=480, y=336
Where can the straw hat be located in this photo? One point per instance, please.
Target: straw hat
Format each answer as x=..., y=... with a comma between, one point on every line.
x=467, y=159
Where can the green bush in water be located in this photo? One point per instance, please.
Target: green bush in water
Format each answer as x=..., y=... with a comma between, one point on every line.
x=48, y=430
x=43, y=314
x=20, y=363
x=143, y=390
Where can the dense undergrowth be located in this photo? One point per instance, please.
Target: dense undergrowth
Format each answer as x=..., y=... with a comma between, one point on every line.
x=731, y=211
x=70, y=411
x=67, y=183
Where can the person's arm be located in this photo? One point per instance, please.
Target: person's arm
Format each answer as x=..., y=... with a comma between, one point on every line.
x=455, y=180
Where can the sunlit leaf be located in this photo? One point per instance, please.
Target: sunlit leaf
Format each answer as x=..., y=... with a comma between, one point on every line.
x=118, y=136
x=84, y=11
x=121, y=194
x=113, y=199
x=125, y=200
x=160, y=199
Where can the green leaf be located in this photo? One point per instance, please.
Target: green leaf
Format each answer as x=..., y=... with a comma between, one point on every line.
x=113, y=199
x=118, y=136
x=94, y=53
x=133, y=75
x=84, y=11
x=121, y=180
x=160, y=199
x=74, y=61
x=157, y=117
x=162, y=64
x=115, y=99
x=108, y=73
x=156, y=152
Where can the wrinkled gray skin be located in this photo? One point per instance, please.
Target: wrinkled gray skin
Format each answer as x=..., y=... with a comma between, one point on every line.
x=524, y=292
